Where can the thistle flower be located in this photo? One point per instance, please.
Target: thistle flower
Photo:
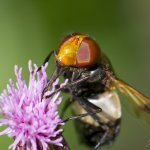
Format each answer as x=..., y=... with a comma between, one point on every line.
x=31, y=117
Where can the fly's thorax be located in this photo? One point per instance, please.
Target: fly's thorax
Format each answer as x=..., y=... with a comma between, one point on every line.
x=91, y=86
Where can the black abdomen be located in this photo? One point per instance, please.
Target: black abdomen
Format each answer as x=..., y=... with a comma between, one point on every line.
x=91, y=135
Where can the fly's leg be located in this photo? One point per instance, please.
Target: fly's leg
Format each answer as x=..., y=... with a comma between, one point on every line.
x=82, y=115
x=108, y=136
x=101, y=141
x=68, y=85
x=89, y=107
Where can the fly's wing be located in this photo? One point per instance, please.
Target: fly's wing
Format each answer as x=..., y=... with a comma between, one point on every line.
x=140, y=103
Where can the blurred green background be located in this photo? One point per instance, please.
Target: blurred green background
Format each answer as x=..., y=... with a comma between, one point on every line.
x=31, y=29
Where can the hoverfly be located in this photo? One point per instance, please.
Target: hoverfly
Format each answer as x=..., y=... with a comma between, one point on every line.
x=93, y=84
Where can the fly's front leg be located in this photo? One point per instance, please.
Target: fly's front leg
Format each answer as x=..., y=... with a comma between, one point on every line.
x=67, y=86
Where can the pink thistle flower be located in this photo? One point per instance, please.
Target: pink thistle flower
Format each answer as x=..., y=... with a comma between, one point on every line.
x=31, y=118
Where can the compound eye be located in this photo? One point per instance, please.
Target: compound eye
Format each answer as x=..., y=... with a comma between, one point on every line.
x=88, y=53
x=66, y=39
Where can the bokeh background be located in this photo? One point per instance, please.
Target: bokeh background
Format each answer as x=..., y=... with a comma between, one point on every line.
x=31, y=29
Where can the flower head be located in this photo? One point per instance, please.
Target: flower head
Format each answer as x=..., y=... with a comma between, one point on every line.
x=31, y=117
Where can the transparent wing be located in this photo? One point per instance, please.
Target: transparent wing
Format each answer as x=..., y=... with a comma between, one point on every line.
x=140, y=103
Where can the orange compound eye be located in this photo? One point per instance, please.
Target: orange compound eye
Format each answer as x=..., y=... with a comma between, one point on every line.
x=88, y=53
x=78, y=51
